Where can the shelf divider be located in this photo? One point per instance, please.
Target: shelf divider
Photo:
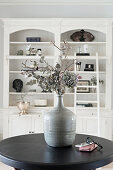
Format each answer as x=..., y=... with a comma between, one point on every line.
x=19, y=57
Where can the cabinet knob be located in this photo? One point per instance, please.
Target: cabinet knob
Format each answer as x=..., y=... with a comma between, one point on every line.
x=31, y=132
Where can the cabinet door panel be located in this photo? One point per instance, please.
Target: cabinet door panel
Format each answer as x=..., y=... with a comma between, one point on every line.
x=91, y=126
x=38, y=124
x=80, y=125
x=19, y=125
x=106, y=128
x=86, y=125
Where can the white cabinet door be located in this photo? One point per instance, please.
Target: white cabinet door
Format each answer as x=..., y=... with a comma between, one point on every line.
x=80, y=125
x=106, y=128
x=37, y=124
x=19, y=125
x=86, y=125
x=90, y=126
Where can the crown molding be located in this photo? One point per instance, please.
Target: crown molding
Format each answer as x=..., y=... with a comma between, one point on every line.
x=56, y=2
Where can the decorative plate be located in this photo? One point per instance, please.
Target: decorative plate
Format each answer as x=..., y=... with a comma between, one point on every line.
x=82, y=36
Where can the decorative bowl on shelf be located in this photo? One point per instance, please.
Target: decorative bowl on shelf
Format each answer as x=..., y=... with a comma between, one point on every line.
x=23, y=107
x=40, y=102
x=82, y=36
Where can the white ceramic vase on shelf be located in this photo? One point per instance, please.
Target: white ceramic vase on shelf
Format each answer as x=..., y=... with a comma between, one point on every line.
x=59, y=125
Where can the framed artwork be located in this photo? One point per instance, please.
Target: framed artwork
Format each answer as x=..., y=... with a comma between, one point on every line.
x=83, y=89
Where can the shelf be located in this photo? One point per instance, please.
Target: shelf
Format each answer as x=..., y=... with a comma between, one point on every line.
x=19, y=72
x=90, y=93
x=50, y=107
x=69, y=93
x=52, y=57
x=90, y=72
x=85, y=57
x=29, y=93
x=94, y=42
x=82, y=101
x=88, y=108
x=32, y=93
x=32, y=108
x=87, y=86
x=38, y=107
x=15, y=72
x=26, y=43
x=28, y=57
x=78, y=72
x=91, y=57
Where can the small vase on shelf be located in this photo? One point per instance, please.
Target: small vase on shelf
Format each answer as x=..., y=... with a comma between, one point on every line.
x=59, y=125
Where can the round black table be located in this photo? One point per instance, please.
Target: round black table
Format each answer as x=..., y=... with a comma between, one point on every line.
x=30, y=152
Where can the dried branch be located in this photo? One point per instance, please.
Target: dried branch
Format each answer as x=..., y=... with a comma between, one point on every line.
x=55, y=45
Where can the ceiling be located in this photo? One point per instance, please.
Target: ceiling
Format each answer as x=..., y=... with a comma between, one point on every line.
x=57, y=2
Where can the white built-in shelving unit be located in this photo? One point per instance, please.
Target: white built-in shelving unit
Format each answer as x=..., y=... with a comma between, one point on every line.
x=14, y=60
x=17, y=41
x=59, y=30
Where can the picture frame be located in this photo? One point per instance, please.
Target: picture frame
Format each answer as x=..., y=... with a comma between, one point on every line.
x=83, y=89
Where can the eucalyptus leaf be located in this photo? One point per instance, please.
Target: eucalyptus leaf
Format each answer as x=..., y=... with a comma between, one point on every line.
x=31, y=82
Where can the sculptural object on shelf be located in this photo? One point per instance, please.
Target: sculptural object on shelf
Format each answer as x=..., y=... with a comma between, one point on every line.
x=23, y=107
x=78, y=66
x=18, y=85
x=82, y=36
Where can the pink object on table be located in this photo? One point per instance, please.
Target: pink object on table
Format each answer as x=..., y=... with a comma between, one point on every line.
x=90, y=147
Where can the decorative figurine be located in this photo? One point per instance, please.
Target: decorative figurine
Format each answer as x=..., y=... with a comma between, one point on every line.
x=85, y=48
x=79, y=50
x=33, y=51
x=78, y=65
x=83, y=51
x=18, y=85
x=28, y=49
x=39, y=52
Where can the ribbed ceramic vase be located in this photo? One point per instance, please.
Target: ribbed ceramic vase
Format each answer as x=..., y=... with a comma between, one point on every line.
x=59, y=125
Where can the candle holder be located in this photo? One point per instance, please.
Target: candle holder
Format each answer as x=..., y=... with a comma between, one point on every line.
x=23, y=107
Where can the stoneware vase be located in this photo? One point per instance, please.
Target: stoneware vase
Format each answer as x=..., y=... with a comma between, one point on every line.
x=59, y=125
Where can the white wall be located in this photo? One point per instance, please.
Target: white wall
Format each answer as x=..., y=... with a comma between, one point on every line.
x=97, y=11
x=1, y=65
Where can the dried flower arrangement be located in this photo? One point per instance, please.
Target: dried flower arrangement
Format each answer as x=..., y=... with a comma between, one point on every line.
x=53, y=78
